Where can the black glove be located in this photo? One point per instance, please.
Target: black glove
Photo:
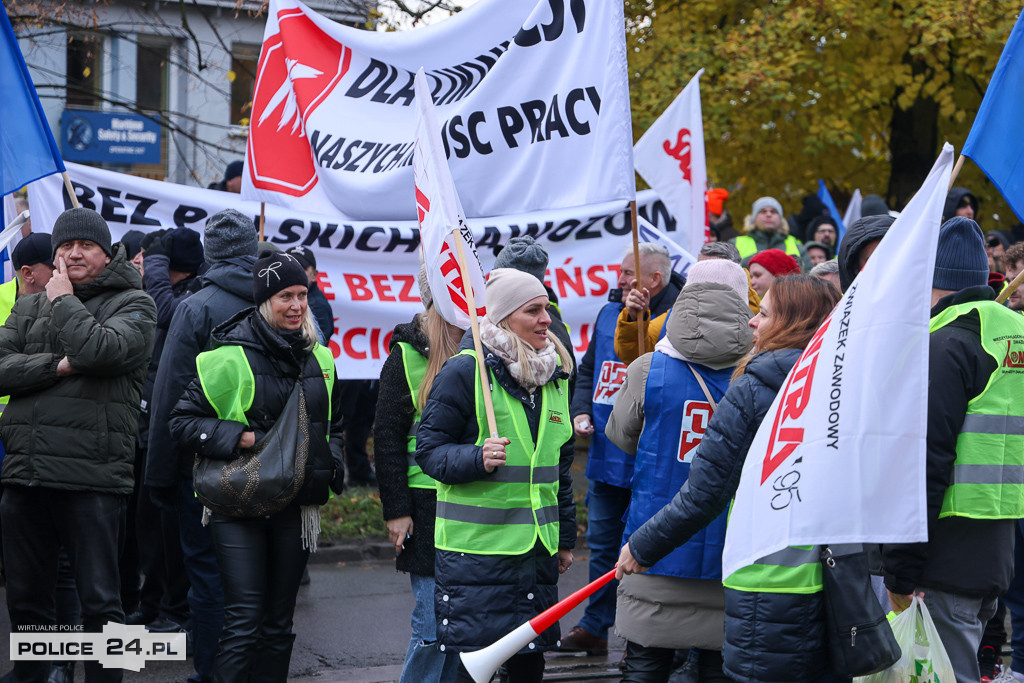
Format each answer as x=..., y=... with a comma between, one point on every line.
x=164, y=497
x=152, y=243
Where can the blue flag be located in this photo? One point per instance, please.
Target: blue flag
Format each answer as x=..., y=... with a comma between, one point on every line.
x=996, y=141
x=27, y=149
x=826, y=199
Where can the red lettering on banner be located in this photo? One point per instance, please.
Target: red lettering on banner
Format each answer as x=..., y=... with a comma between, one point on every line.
x=785, y=437
x=291, y=83
x=681, y=151
x=383, y=287
x=601, y=284
x=573, y=278
x=584, y=338
x=408, y=281
x=325, y=285
x=357, y=287
x=361, y=343
x=609, y=381
x=696, y=415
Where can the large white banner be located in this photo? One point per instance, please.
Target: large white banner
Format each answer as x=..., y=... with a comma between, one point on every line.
x=840, y=456
x=368, y=269
x=533, y=97
x=670, y=157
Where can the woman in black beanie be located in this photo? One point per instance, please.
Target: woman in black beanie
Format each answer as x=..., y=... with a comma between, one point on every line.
x=242, y=387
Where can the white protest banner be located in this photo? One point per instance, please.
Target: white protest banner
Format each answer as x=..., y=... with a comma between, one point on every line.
x=840, y=455
x=681, y=259
x=670, y=157
x=368, y=269
x=532, y=94
x=442, y=222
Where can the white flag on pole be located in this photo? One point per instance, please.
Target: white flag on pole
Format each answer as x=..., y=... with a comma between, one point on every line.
x=840, y=456
x=853, y=209
x=670, y=157
x=442, y=219
x=681, y=259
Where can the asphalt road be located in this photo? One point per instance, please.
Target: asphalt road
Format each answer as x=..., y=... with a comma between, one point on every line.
x=352, y=625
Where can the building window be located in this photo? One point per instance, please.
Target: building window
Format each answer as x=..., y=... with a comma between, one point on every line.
x=84, y=64
x=244, y=57
x=151, y=75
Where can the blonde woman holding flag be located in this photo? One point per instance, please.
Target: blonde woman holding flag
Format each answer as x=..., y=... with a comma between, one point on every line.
x=506, y=523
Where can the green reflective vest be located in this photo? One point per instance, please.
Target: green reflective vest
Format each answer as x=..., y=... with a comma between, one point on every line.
x=8, y=293
x=229, y=385
x=988, y=473
x=509, y=509
x=746, y=245
x=415, y=365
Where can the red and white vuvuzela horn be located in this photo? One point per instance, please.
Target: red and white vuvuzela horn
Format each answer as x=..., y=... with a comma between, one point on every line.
x=481, y=664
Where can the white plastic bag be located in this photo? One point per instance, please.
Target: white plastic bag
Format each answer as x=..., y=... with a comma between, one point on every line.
x=924, y=658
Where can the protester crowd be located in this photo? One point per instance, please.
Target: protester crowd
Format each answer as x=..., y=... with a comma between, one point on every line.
x=138, y=372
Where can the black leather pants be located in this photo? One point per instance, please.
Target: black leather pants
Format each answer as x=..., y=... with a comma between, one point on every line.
x=261, y=562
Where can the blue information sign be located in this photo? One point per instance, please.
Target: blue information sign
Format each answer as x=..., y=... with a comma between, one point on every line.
x=107, y=137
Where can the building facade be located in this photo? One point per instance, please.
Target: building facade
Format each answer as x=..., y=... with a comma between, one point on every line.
x=160, y=89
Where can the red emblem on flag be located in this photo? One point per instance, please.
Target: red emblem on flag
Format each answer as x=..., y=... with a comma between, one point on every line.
x=298, y=69
x=422, y=206
x=785, y=436
x=681, y=151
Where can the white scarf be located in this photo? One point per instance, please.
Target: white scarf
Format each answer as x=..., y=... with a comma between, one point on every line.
x=542, y=363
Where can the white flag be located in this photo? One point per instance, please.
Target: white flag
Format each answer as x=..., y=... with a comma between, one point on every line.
x=670, y=157
x=840, y=456
x=853, y=209
x=681, y=259
x=442, y=220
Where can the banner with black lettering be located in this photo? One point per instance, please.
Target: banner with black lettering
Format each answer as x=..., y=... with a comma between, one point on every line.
x=533, y=97
x=368, y=269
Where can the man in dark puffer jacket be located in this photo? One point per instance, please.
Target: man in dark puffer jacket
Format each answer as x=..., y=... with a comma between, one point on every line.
x=73, y=359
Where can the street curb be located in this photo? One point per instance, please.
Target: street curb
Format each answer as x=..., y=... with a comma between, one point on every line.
x=366, y=550
x=376, y=550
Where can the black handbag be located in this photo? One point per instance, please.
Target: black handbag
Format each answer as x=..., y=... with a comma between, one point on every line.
x=860, y=640
x=264, y=479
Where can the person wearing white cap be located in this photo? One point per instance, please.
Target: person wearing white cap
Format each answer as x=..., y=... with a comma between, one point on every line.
x=506, y=523
x=769, y=232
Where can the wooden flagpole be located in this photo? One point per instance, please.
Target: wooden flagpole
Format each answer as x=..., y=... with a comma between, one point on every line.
x=956, y=170
x=263, y=218
x=1010, y=288
x=474, y=325
x=71, y=190
x=641, y=324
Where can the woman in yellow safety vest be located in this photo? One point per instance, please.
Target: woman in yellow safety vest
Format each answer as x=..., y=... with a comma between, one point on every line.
x=242, y=387
x=408, y=496
x=506, y=523
x=774, y=622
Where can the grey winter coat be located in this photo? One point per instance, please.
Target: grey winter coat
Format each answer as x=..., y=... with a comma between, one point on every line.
x=77, y=432
x=707, y=325
x=227, y=289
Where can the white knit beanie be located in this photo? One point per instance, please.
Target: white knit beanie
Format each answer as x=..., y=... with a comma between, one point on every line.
x=720, y=271
x=508, y=289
